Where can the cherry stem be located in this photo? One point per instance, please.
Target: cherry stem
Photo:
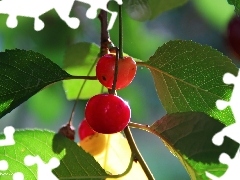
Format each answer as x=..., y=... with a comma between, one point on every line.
x=120, y=32
x=75, y=103
x=112, y=91
x=126, y=171
x=85, y=78
x=136, y=154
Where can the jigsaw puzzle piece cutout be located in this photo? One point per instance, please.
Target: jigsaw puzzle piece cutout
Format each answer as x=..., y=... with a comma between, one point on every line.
x=221, y=104
x=231, y=131
x=8, y=132
x=24, y=8
x=63, y=9
x=3, y=165
x=44, y=169
x=36, y=8
x=101, y=4
x=229, y=78
x=232, y=172
x=18, y=176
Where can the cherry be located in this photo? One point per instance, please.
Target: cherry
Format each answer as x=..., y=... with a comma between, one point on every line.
x=233, y=34
x=68, y=131
x=107, y=113
x=95, y=144
x=84, y=130
x=106, y=67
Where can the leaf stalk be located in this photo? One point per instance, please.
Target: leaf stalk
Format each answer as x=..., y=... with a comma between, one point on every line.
x=81, y=77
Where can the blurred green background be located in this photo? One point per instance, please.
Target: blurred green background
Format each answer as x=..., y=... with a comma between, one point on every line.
x=202, y=21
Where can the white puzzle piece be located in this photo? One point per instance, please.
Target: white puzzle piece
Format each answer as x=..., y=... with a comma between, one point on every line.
x=232, y=172
x=8, y=132
x=232, y=131
x=36, y=8
x=8, y=141
x=44, y=169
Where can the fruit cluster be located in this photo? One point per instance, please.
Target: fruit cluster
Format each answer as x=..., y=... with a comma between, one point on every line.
x=109, y=113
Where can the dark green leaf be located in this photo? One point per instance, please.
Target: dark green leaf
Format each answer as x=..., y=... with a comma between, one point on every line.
x=75, y=163
x=188, y=77
x=236, y=3
x=142, y=10
x=189, y=135
x=23, y=74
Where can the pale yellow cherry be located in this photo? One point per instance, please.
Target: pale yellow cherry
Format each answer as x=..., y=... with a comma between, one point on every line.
x=94, y=144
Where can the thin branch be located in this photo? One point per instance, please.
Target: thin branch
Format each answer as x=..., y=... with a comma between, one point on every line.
x=105, y=38
x=136, y=154
x=81, y=89
x=81, y=77
x=75, y=103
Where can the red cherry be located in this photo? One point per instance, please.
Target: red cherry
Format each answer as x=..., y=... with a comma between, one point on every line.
x=84, y=130
x=107, y=113
x=233, y=34
x=105, y=71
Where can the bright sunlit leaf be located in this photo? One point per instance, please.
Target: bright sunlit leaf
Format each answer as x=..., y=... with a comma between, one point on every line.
x=188, y=77
x=113, y=153
x=74, y=161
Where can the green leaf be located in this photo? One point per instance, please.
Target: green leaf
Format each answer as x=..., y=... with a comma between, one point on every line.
x=236, y=3
x=74, y=161
x=80, y=59
x=23, y=74
x=188, y=77
x=188, y=136
x=143, y=10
